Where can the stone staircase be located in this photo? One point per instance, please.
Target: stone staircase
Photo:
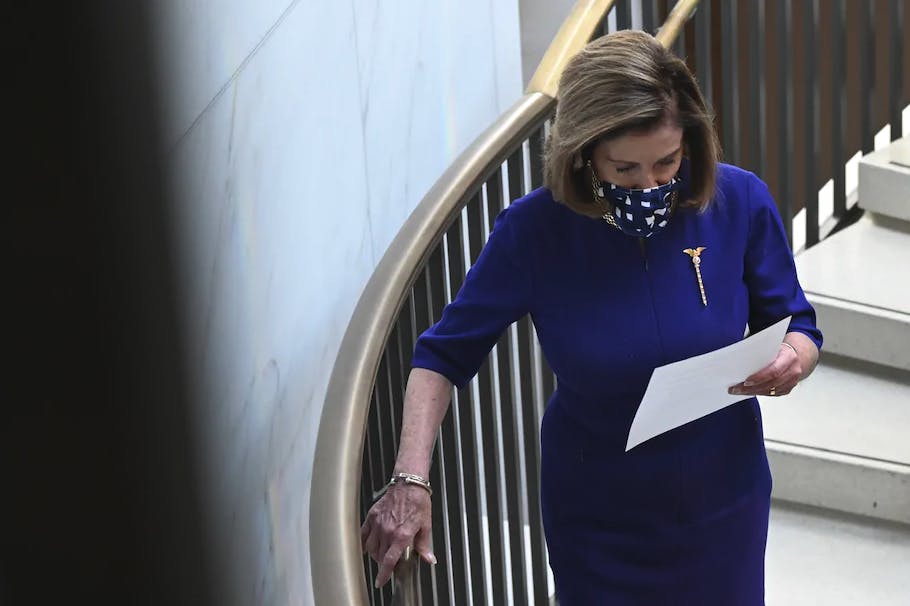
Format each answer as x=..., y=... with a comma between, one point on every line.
x=839, y=445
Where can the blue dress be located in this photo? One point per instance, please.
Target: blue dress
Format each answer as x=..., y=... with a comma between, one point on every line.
x=682, y=518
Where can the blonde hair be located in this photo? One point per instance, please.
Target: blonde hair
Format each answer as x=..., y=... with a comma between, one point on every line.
x=620, y=83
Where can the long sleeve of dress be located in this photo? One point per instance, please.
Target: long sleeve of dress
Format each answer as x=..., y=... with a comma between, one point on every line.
x=770, y=273
x=496, y=292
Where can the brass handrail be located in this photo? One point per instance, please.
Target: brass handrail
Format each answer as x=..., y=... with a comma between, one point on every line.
x=676, y=20
x=338, y=576
x=573, y=34
x=336, y=561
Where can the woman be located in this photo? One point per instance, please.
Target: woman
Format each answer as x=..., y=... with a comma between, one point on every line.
x=640, y=250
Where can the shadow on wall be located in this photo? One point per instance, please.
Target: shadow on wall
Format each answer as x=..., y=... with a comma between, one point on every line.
x=99, y=502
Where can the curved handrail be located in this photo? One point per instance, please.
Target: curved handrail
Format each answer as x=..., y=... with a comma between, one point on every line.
x=573, y=34
x=676, y=20
x=336, y=561
x=338, y=576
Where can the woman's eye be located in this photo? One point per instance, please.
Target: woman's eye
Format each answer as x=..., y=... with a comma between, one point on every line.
x=624, y=169
x=667, y=161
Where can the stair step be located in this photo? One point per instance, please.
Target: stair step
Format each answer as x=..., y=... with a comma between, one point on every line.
x=858, y=282
x=816, y=558
x=863, y=332
x=884, y=180
x=839, y=441
x=847, y=407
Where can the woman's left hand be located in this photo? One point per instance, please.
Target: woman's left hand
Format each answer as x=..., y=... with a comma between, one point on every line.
x=780, y=376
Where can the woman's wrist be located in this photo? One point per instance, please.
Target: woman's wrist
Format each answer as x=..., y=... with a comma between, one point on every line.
x=412, y=463
x=406, y=479
x=805, y=349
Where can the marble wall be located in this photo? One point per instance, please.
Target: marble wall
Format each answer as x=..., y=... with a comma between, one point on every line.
x=540, y=20
x=299, y=137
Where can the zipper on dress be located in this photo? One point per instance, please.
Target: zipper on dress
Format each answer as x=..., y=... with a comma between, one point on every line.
x=642, y=244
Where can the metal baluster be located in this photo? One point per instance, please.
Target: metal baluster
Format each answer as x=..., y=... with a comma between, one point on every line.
x=729, y=71
x=757, y=97
x=648, y=11
x=425, y=581
x=810, y=118
x=839, y=104
x=442, y=525
x=508, y=415
x=866, y=75
x=703, y=54
x=368, y=485
x=785, y=106
x=531, y=423
x=471, y=447
x=458, y=485
x=623, y=15
x=895, y=104
x=433, y=580
x=489, y=425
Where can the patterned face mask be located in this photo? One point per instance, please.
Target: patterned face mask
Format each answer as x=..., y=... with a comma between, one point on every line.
x=640, y=212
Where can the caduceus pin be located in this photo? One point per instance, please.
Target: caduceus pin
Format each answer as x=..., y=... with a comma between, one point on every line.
x=695, y=254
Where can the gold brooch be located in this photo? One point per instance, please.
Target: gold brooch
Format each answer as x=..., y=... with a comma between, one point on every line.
x=695, y=254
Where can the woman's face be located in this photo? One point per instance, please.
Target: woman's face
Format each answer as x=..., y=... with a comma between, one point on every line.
x=640, y=160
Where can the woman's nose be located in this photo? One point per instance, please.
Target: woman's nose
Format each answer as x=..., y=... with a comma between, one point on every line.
x=648, y=181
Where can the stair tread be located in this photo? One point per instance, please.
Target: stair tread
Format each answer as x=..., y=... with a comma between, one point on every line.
x=847, y=408
x=866, y=263
x=815, y=557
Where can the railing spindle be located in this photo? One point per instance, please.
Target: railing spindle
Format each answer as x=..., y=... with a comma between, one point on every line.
x=839, y=104
x=489, y=424
x=439, y=473
x=867, y=94
x=730, y=71
x=432, y=580
x=648, y=20
x=384, y=425
x=896, y=59
x=623, y=15
x=508, y=414
x=785, y=116
x=810, y=118
x=470, y=431
x=531, y=423
x=456, y=504
x=756, y=83
x=703, y=54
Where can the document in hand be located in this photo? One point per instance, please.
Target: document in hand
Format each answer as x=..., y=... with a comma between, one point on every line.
x=690, y=389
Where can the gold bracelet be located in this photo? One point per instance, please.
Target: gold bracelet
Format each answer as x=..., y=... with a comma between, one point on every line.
x=791, y=347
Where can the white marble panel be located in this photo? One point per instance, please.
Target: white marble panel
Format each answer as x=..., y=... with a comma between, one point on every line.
x=289, y=188
x=201, y=44
x=457, y=69
x=276, y=247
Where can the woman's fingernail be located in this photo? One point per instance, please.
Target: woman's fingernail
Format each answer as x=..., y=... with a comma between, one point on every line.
x=748, y=383
x=734, y=391
x=432, y=559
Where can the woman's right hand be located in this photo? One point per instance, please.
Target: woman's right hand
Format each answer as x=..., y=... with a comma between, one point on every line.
x=398, y=520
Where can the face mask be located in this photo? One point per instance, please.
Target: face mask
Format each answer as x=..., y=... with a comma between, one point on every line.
x=640, y=212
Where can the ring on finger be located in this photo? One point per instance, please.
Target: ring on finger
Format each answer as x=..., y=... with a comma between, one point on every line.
x=773, y=391
x=407, y=553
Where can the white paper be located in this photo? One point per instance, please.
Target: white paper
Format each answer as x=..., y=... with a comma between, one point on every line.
x=690, y=389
